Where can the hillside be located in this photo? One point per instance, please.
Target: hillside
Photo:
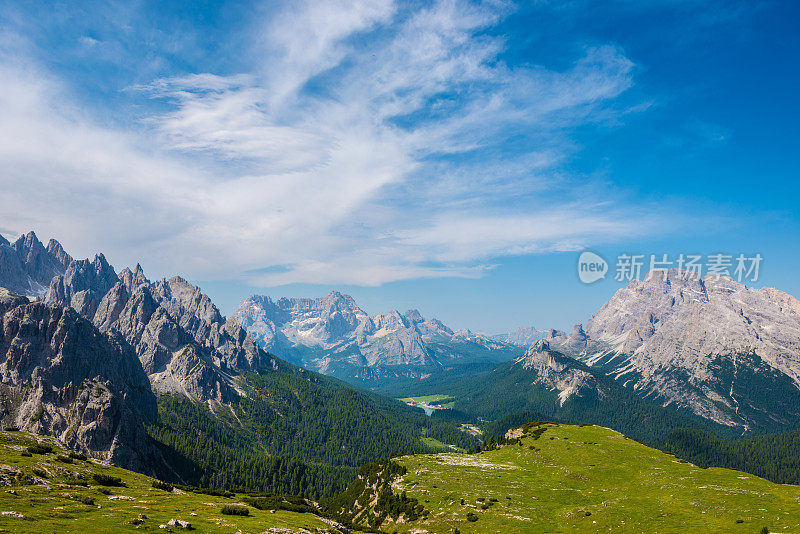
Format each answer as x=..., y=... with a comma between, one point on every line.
x=298, y=433
x=546, y=381
x=53, y=492
x=771, y=456
x=567, y=478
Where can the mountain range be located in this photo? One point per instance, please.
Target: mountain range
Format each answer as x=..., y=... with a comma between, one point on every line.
x=149, y=375
x=334, y=336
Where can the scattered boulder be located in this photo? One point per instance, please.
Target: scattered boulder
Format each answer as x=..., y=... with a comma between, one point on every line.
x=180, y=523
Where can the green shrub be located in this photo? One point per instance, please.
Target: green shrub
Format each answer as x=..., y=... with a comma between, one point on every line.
x=40, y=448
x=107, y=480
x=291, y=503
x=64, y=459
x=77, y=456
x=85, y=499
x=39, y=472
x=26, y=453
x=471, y=517
x=104, y=491
x=235, y=509
x=163, y=485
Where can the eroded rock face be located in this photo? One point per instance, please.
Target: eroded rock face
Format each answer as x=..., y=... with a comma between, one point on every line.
x=194, y=311
x=132, y=279
x=724, y=351
x=557, y=372
x=183, y=342
x=61, y=377
x=172, y=359
x=96, y=277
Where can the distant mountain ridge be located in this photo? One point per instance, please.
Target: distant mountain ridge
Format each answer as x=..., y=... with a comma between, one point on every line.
x=333, y=335
x=522, y=336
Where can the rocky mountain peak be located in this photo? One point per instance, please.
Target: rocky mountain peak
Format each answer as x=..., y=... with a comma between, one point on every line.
x=33, y=268
x=414, y=316
x=55, y=249
x=690, y=341
x=132, y=279
x=336, y=301
x=96, y=276
x=540, y=345
x=557, y=372
x=28, y=242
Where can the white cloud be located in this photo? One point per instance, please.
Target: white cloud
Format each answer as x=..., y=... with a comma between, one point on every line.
x=335, y=158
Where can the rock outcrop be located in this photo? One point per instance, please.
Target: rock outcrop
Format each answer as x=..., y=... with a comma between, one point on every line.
x=62, y=377
x=558, y=373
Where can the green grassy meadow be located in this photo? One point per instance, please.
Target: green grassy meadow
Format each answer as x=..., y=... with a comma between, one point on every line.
x=424, y=399
x=588, y=479
x=69, y=499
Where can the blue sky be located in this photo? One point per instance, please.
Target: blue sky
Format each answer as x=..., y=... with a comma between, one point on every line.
x=451, y=156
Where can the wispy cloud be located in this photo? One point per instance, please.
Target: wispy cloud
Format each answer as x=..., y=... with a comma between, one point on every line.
x=367, y=142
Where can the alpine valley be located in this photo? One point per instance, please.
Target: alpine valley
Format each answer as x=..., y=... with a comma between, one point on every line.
x=149, y=376
x=110, y=373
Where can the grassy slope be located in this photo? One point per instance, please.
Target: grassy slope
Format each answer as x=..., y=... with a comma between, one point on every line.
x=581, y=470
x=56, y=506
